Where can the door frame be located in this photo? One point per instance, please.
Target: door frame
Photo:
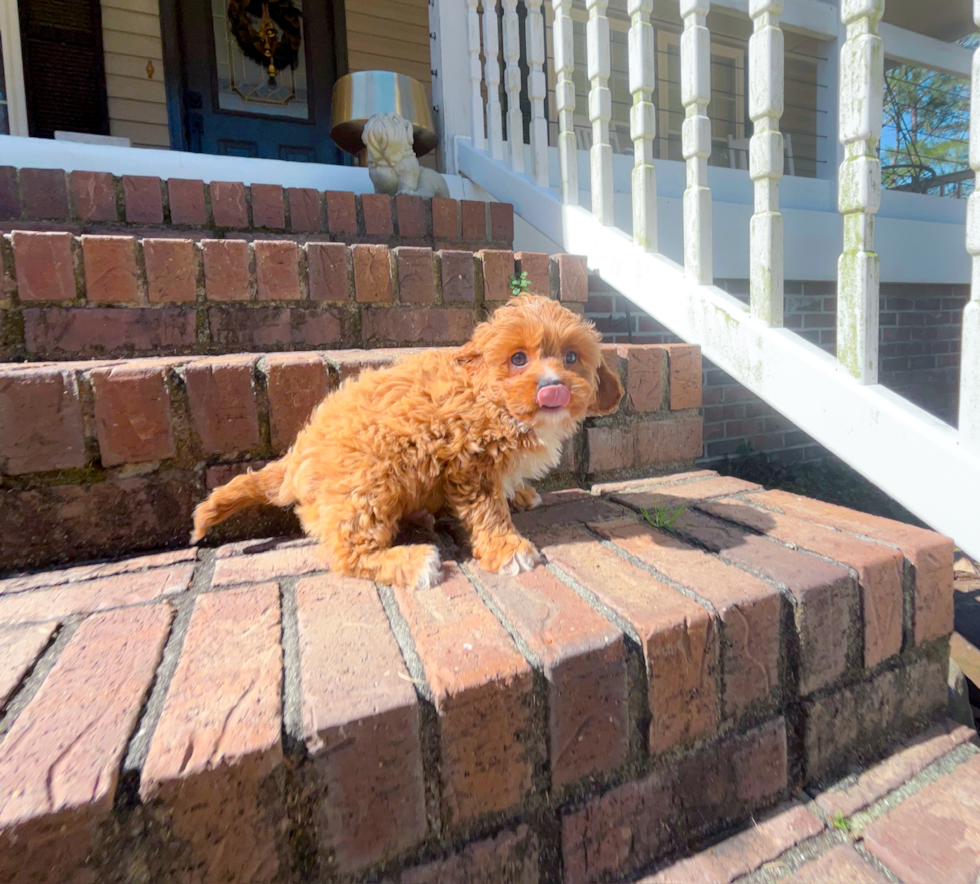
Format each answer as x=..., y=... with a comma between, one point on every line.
x=174, y=69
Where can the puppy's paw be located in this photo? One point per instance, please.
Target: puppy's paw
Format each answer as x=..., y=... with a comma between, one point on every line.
x=416, y=567
x=526, y=498
x=511, y=556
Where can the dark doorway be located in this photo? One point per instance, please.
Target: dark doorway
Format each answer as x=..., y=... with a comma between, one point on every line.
x=226, y=103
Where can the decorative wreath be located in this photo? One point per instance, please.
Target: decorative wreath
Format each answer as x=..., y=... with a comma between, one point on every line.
x=284, y=46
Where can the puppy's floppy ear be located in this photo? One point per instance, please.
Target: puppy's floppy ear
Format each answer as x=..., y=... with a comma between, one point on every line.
x=608, y=392
x=469, y=356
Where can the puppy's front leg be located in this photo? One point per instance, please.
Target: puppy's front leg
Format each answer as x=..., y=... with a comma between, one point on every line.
x=479, y=503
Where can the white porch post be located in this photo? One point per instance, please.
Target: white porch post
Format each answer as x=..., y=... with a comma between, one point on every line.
x=13, y=67
x=969, y=422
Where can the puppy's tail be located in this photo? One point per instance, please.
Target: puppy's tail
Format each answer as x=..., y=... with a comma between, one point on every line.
x=248, y=490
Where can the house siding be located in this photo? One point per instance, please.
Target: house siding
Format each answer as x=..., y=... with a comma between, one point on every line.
x=390, y=35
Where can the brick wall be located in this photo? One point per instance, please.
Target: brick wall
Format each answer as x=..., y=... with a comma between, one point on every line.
x=65, y=297
x=98, y=202
x=104, y=457
x=919, y=357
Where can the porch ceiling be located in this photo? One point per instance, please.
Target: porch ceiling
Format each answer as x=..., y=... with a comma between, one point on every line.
x=946, y=21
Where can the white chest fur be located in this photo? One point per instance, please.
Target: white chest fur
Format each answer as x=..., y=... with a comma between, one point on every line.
x=536, y=461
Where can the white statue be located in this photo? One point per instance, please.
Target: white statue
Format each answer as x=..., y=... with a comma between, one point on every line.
x=392, y=163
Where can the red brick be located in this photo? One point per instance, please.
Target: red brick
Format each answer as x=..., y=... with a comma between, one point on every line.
x=629, y=486
x=297, y=384
x=277, y=270
x=583, y=659
x=685, y=376
x=111, y=275
x=187, y=205
x=415, y=325
x=498, y=268
x=360, y=724
x=42, y=421
x=573, y=278
x=45, y=266
x=677, y=440
x=372, y=273
x=898, y=768
x=222, y=474
x=878, y=568
x=610, y=448
x=102, y=594
x=132, y=414
x=481, y=689
x=273, y=563
x=268, y=208
x=378, y=217
x=329, y=271
x=567, y=512
x=304, y=210
x=761, y=843
x=416, y=275
x=19, y=649
x=171, y=270
x=933, y=835
x=502, y=222
x=9, y=196
x=144, y=199
x=511, y=857
x=341, y=212
x=677, y=635
x=229, y=206
x=749, y=609
x=350, y=363
x=645, y=374
x=929, y=554
x=445, y=218
x=83, y=331
x=45, y=194
x=219, y=739
x=841, y=863
x=411, y=215
x=94, y=196
x=473, y=215
x=245, y=328
x=537, y=265
x=457, y=276
x=59, y=766
x=222, y=404
x=226, y=271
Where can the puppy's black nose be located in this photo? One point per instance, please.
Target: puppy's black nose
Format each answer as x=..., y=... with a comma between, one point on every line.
x=548, y=382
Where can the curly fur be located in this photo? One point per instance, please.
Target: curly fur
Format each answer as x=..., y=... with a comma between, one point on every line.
x=459, y=430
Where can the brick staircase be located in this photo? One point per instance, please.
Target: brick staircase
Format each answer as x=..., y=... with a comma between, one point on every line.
x=236, y=713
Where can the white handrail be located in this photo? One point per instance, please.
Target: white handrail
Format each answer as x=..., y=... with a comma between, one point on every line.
x=512, y=85
x=491, y=76
x=643, y=123
x=564, y=37
x=600, y=110
x=537, y=91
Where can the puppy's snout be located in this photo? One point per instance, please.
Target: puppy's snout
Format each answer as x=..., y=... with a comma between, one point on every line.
x=552, y=394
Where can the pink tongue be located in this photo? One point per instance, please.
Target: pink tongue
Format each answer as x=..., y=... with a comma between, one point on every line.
x=554, y=396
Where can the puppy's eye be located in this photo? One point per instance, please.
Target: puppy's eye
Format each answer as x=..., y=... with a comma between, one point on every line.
x=518, y=359
x=571, y=357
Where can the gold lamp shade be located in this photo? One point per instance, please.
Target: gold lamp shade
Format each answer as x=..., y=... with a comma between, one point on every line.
x=359, y=96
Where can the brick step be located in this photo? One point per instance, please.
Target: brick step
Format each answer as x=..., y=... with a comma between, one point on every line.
x=242, y=715
x=108, y=457
x=68, y=297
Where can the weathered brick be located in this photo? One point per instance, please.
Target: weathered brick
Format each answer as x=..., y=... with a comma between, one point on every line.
x=222, y=403
x=42, y=421
x=645, y=374
x=481, y=689
x=685, y=376
x=610, y=448
x=341, y=212
x=473, y=215
x=705, y=486
x=19, y=649
x=840, y=863
x=378, y=214
x=208, y=776
x=9, y=196
x=583, y=658
x=289, y=560
x=297, y=384
x=77, y=726
x=360, y=724
x=445, y=219
x=229, y=207
x=132, y=414
x=457, y=276
x=171, y=270
x=511, y=856
x=111, y=275
x=101, y=594
x=498, y=268
x=748, y=608
x=416, y=275
x=573, y=278
x=372, y=273
x=537, y=265
x=144, y=199
x=566, y=512
x=268, y=209
x=266, y=328
x=672, y=441
x=628, y=486
x=502, y=222
x=304, y=210
x=45, y=266
x=44, y=194
x=187, y=204
x=677, y=635
x=277, y=270
x=415, y=325
x=94, y=196
x=50, y=331
x=226, y=270
x=411, y=215
x=933, y=836
x=329, y=271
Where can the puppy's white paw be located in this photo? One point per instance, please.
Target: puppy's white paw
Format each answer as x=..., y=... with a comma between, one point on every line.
x=526, y=498
x=430, y=574
x=524, y=559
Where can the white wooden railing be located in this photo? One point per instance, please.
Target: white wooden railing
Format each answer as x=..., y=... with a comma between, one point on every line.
x=930, y=467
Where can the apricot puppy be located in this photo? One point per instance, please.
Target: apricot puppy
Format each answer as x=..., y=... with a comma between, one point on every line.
x=462, y=430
